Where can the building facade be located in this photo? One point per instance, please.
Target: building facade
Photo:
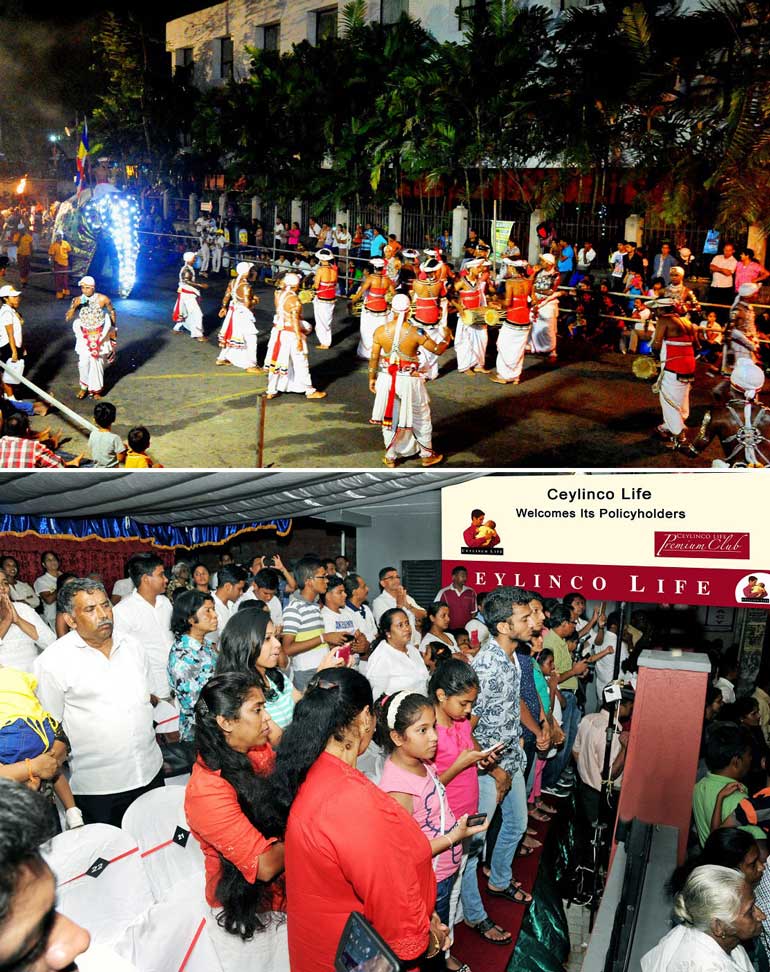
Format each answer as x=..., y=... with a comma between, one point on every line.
x=212, y=43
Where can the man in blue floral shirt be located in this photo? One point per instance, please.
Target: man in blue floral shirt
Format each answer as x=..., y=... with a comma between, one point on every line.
x=497, y=717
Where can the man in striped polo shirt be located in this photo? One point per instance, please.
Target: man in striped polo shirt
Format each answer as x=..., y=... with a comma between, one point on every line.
x=460, y=600
x=304, y=639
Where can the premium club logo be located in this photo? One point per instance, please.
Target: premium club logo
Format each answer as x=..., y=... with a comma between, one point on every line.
x=725, y=546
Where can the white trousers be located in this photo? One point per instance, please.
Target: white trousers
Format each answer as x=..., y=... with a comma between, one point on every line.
x=216, y=258
x=543, y=339
x=91, y=370
x=674, y=402
x=412, y=429
x=511, y=345
x=241, y=347
x=191, y=315
x=290, y=372
x=323, y=311
x=470, y=345
x=369, y=324
x=205, y=254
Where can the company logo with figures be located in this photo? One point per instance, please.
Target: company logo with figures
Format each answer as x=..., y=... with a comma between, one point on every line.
x=704, y=544
x=481, y=536
x=753, y=589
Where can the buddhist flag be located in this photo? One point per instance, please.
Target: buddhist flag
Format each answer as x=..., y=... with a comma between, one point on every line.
x=82, y=156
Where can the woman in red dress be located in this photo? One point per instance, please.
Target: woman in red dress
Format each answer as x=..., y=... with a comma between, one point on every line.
x=349, y=846
x=228, y=813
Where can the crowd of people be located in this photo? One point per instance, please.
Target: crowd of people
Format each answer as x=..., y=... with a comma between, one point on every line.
x=288, y=683
x=435, y=737
x=414, y=305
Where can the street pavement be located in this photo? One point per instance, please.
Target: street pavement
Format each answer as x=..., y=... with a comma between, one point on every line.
x=586, y=411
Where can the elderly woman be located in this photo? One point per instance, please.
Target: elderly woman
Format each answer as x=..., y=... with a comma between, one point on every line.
x=362, y=852
x=718, y=913
x=22, y=631
x=395, y=665
x=19, y=590
x=181, y=579
x=191, y=660
x=227, y=809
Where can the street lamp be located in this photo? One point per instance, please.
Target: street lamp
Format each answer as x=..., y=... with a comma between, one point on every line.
x=54, y=137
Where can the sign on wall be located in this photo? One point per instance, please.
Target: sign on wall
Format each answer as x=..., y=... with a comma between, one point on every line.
x=673, y=538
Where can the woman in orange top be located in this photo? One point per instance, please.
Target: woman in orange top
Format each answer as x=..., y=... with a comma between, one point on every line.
x=349, y=846
x=225, y=804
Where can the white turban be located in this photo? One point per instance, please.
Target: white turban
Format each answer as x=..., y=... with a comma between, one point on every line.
x=189, y=255
x=548, y=258
x=401, y=303
x=243, y=268
x=748, y=377
x=291, y=280
x=377, y=263
x=86, y=282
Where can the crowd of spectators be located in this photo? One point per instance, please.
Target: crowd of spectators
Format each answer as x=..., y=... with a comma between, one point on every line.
x=414, y=727
x=282, y=678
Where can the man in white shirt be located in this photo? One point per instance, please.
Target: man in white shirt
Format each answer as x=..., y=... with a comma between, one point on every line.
x=604, y=668
x=338, y=617
x=722, y=290
x=45, y=586
x=585, y=258
x=19, y=590
x=343, y=566
x=264, y=587
x=394, y=595
x=22, y=631
x=146, y=616
x=121, y=588
x=231, y=582
x=97, y=683
x=357, y=591
x=225, y=559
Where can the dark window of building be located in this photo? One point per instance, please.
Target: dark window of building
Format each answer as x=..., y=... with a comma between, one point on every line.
x=271, y=38
x=470, y=12
x=325, y=24
x=225, y=57
x=391, y=10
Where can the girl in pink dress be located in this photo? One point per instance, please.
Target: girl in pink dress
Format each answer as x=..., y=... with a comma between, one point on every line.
x=407, y=730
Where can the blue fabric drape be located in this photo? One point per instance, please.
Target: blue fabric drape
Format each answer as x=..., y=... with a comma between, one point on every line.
x=126, y=528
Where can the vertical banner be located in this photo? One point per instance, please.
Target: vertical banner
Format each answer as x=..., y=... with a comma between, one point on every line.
x=503, y=230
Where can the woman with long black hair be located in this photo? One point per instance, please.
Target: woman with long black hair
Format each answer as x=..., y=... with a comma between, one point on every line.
x=249, y=644
x=349, y=846
x=228, y=811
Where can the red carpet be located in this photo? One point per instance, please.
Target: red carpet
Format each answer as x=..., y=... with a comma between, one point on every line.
x=470, y=947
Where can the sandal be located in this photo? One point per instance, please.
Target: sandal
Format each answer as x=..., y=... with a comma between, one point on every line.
x=524, y=851
x=460, y=968
x=513, y=893
x=483, y=928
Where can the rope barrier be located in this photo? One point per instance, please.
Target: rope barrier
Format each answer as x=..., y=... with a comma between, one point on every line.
x=59, y=406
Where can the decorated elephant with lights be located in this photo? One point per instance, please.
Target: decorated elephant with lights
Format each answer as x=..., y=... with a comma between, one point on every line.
x=101, y=225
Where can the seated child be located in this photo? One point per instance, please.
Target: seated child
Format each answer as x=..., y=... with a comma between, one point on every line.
x=136, y=454
x=107, y=448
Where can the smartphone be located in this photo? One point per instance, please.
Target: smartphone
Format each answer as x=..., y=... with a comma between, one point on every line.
x=343, y=652
x=361, y=949
x=476, y=819
x=498, y=748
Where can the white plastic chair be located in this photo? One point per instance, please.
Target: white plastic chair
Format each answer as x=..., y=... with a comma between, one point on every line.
x=100, y=878
x=173, y=934
x=166, y=717
x=169, y=852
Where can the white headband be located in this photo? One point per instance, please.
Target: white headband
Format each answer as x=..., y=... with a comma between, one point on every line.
x=393, y=706
x=86, y=282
